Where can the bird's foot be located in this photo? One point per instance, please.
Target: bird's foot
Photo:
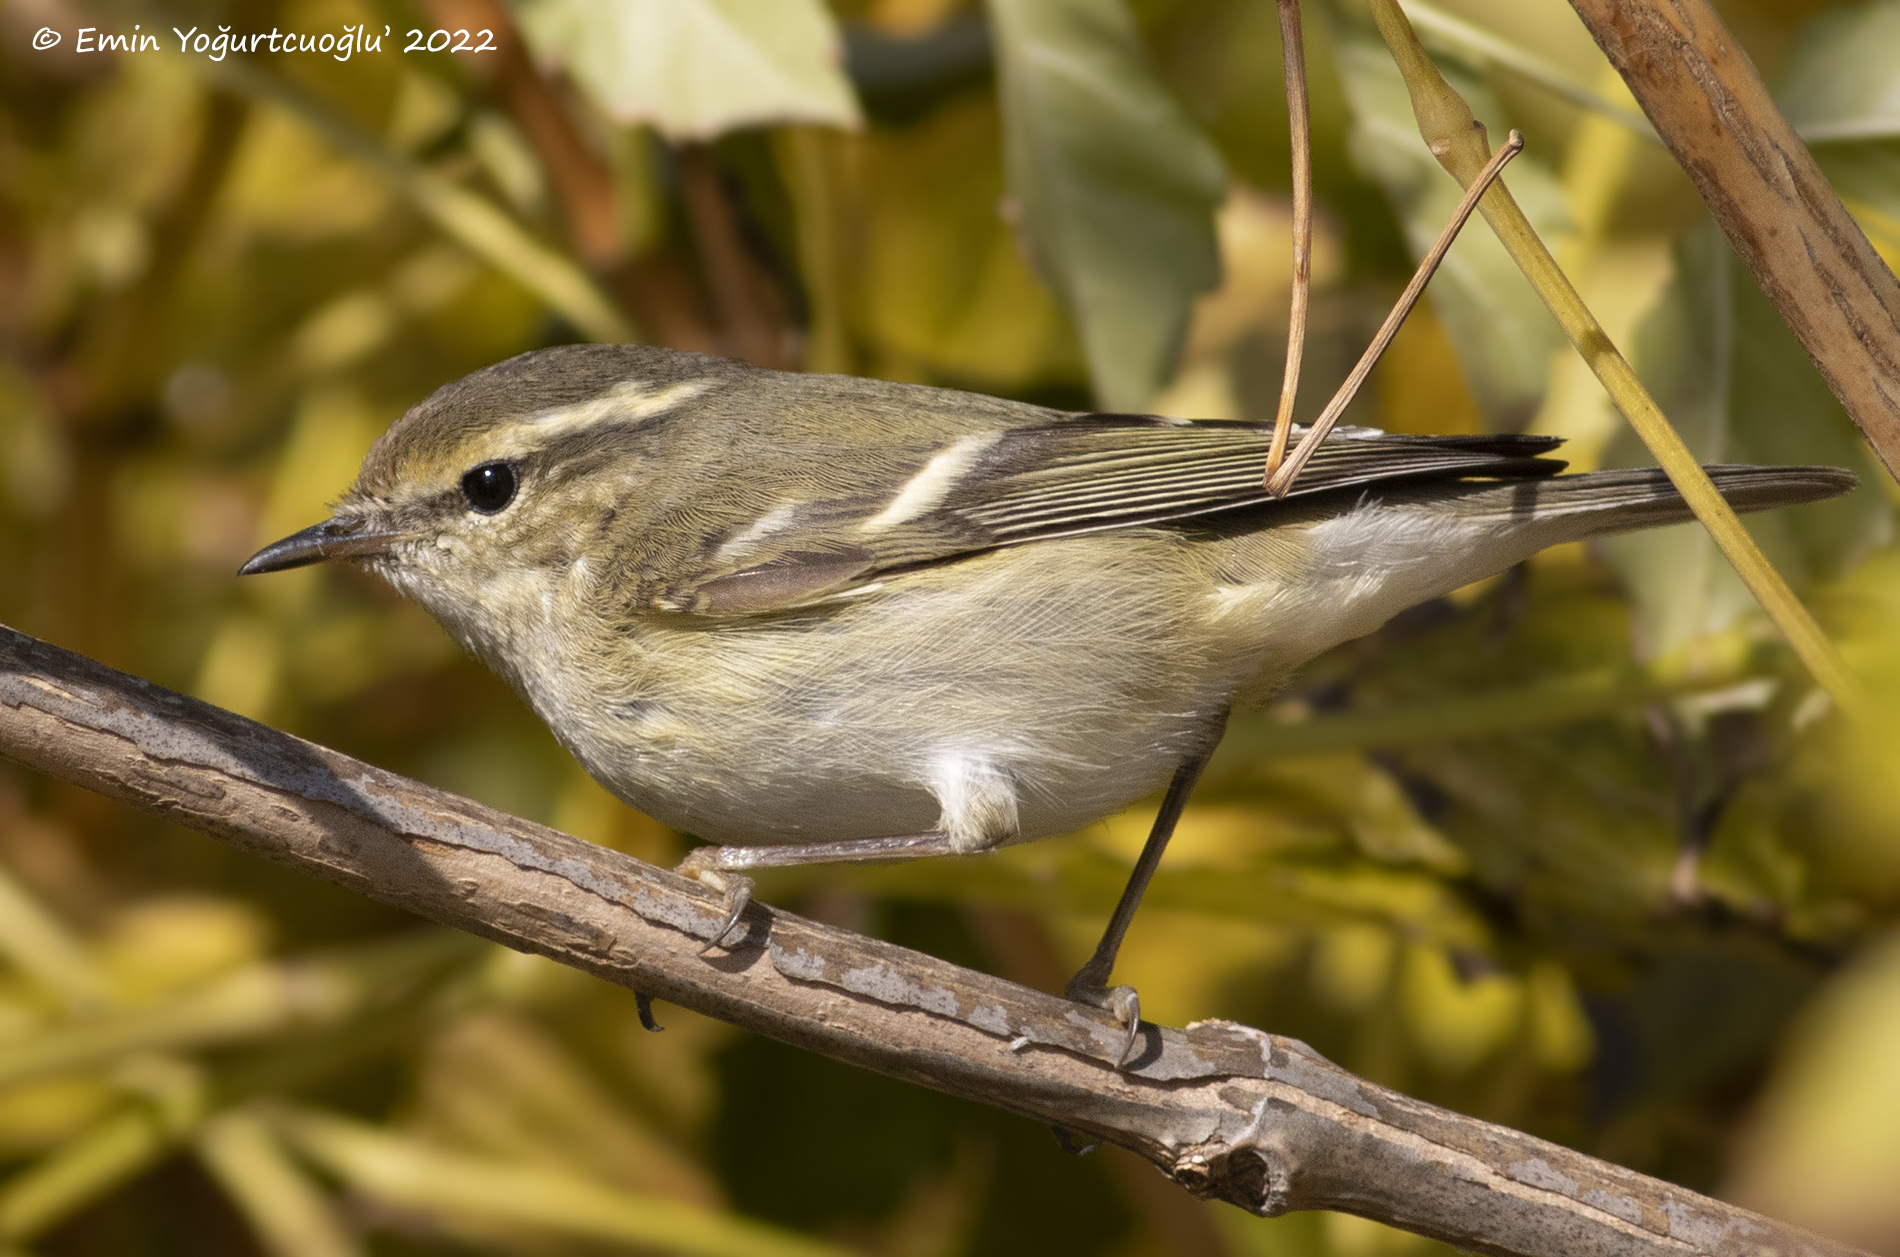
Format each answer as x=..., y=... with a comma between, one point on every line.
x=1123, y=1001
x=702, y=866
x=1076, y=1145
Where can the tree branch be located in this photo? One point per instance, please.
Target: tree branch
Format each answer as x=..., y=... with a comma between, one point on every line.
x=1710, y=107
x=1227, y=1111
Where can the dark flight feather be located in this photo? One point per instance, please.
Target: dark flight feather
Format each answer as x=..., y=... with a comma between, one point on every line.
x=1081, y=475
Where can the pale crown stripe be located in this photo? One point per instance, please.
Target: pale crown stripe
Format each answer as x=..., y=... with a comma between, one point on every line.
x=626, y=402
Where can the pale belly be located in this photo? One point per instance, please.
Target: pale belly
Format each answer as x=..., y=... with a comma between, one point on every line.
x=871, y=719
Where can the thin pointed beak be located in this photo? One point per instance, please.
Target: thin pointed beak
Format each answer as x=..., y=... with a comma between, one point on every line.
x=336, y=538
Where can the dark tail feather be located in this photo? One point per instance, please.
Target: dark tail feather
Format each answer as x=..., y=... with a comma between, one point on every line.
x=1601, y=502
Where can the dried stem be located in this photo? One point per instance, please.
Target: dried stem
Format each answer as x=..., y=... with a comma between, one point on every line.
x=1457, y=139
x=1281, y=481
x=751, y=311
x=1709, y=105
x=656, y=286
x=1255, y=1119
x=1300, y=129
x=582, y=182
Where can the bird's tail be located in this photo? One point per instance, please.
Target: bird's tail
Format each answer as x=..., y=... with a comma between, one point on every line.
x=1404, y=546
x=1571, y=508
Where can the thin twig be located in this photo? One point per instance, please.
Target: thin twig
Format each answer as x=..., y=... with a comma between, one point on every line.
x=1708, y=102
x=1282, y=481
x=1299, y=126
x=751, y=311
x=1227, y=1111
x=1457, y=139
x=655, y=284
x=582, y=181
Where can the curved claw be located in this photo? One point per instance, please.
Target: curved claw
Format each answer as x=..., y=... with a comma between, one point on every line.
x=1072, y=1143
x=701, y=866
x=738, y=894
x=1123, y=1001
x=643, y=1004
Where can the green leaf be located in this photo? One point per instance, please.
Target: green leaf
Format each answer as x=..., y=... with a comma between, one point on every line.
x=1503, y=334
x=502, y=1085
x=1842, y=80
x=1067, y=877
x=36, y=469
x=38, y=944
x=254, y=1003
x=1480, y=48
x=290, y=1215
x=941, y=289
x=1867, y=176
x=92, y=1163
x=1254, y=741
x=1841, y=89
x=695, y=69
x=1739, y=388
x=466, y=217
x=411, y=1174
x=1115, y=186
x=1823, y=1148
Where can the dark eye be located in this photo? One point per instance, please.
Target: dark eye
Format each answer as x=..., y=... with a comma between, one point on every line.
x=489, y=487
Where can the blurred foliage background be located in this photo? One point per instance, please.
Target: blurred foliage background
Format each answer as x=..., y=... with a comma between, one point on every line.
x=1579, y=850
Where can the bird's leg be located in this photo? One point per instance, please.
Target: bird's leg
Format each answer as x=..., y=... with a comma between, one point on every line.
x=718, y=866
x=1090, y=984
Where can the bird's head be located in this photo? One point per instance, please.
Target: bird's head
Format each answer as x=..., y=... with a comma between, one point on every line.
x=505, y=481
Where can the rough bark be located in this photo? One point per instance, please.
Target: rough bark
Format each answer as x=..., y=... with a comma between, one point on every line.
x=1227, y=1111
x=1709, y=105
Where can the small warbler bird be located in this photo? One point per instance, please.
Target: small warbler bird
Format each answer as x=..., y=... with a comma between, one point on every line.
x=815, y=618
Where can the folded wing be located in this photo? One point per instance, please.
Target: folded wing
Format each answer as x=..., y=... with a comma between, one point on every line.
x=1087, y=474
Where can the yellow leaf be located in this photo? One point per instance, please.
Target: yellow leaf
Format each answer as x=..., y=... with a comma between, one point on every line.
x=1456, y=1024
x=1352, y=965
x=941, y=284
x=1560, y=1035
x=1824, y=1147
